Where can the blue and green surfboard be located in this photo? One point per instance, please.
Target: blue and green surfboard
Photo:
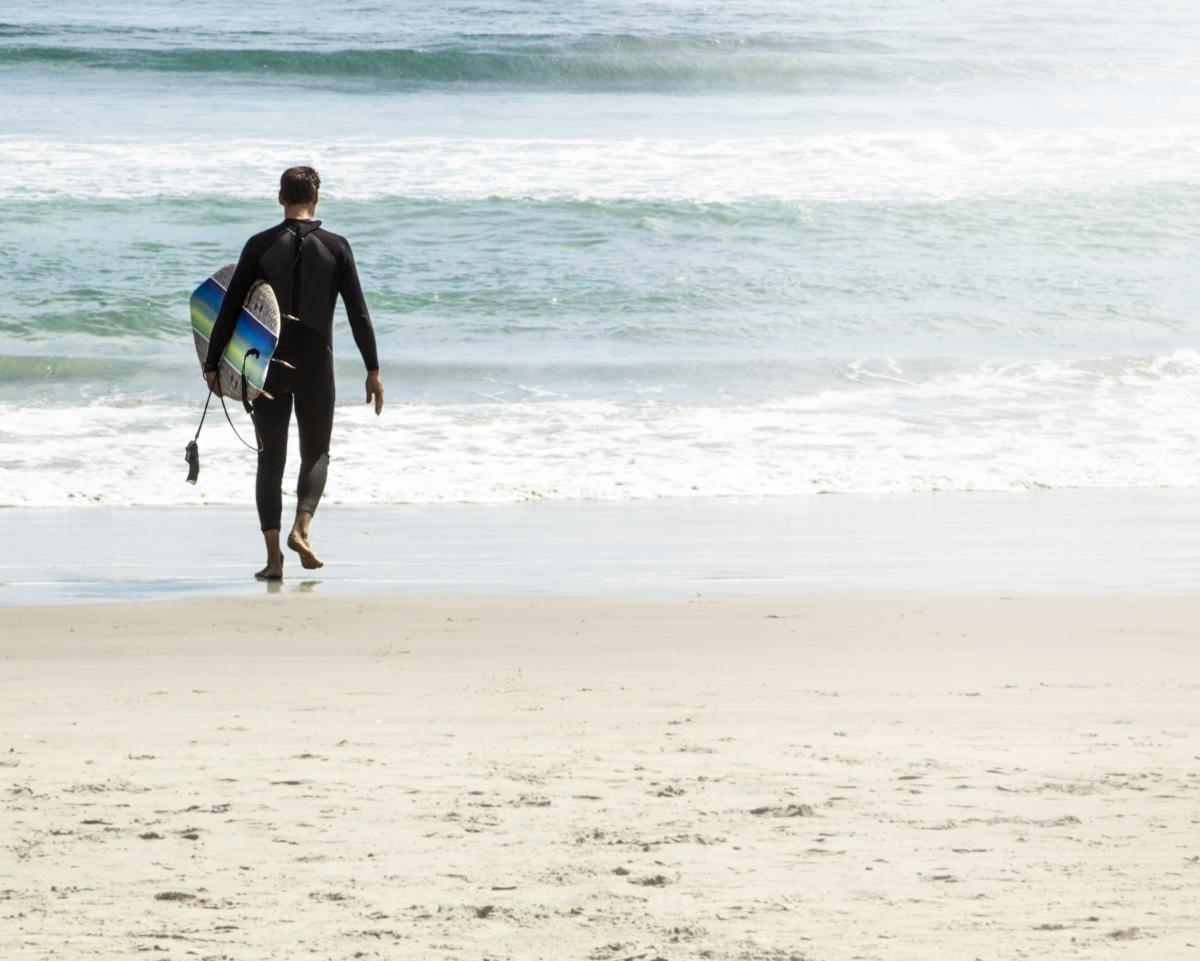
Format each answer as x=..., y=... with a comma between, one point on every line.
x=257, y=329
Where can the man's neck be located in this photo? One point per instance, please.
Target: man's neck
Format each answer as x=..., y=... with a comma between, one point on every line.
x=298, y=212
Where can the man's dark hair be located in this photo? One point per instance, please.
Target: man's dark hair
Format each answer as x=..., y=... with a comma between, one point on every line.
x=299, y=185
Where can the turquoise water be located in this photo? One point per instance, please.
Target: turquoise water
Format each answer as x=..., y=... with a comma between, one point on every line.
x=621, y=250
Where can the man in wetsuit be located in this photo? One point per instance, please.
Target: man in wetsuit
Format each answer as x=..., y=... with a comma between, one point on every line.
x=308, y=267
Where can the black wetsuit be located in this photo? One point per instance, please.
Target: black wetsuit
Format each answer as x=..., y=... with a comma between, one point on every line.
x=307, y=267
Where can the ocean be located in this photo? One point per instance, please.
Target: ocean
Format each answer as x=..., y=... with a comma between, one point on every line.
x=619, y=249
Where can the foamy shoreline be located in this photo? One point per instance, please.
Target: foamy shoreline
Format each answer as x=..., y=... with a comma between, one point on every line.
x=622, y=434
x=856, y=776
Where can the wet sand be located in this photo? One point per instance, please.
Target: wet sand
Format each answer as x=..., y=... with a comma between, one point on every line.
x=1091, y=541
x=411, y=776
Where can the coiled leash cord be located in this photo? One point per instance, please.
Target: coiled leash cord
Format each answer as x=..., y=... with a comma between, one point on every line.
x=192, y=451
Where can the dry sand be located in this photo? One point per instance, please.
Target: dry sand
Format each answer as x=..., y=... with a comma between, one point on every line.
x=842, y=777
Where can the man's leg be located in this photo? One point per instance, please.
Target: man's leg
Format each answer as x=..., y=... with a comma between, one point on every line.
x=271, y=416
x=314, y=418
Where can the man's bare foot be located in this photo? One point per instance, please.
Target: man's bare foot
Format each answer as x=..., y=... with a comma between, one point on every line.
x=274, y=569
x=298, y=542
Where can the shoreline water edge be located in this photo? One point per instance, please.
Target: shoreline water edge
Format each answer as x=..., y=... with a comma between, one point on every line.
x=1119, y=541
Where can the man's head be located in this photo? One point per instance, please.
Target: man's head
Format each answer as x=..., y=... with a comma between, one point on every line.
x=299, y=187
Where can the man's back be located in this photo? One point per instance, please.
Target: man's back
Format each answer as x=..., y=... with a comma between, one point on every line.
x=307, y=267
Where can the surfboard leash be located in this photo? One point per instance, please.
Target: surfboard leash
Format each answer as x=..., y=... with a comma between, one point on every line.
x=192, y=451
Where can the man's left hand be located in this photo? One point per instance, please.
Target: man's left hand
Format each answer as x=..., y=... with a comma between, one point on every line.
x=375, y=390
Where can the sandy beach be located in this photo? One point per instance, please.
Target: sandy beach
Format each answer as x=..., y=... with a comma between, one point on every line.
x=447, y=776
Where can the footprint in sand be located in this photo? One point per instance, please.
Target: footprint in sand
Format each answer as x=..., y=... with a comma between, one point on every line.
x=785, y=811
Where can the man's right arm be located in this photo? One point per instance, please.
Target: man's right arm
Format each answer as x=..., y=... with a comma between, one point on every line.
x=239, y=286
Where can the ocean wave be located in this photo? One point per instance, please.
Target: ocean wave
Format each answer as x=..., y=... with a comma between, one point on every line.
x=537, y=282
x=1120, y=422
x=897, y=165
x=817, y=63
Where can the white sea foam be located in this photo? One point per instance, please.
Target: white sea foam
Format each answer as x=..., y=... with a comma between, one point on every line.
x=1119, y=423
x=914, y=165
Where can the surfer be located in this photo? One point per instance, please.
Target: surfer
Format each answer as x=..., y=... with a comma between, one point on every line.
x=307, y=266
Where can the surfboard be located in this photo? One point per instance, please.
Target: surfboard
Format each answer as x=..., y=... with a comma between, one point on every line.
x=257, y=328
